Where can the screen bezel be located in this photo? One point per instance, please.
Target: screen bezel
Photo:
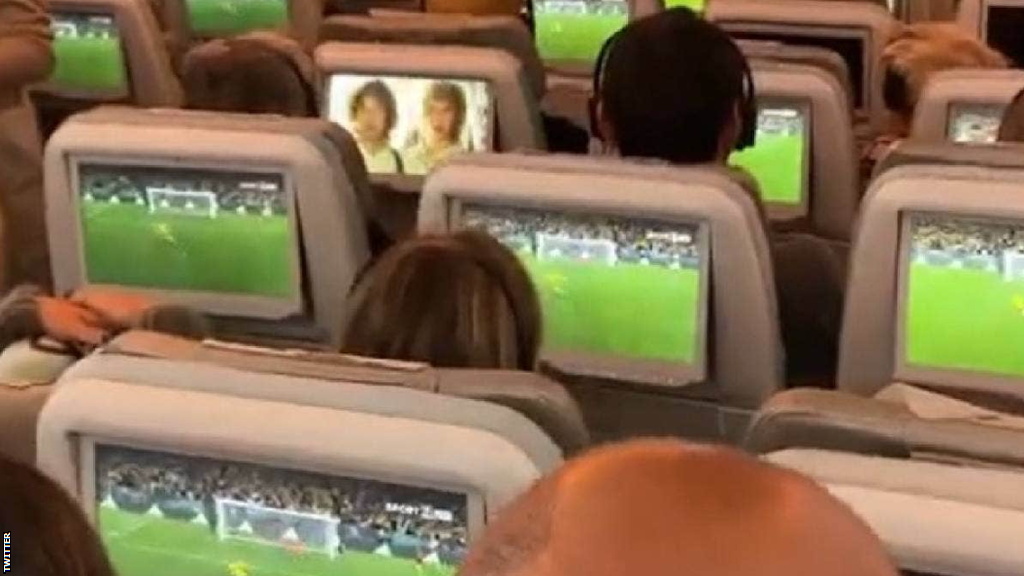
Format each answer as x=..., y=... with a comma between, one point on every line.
x=986, y=10
x=412, y=183
x=781, y=211
x=216, y=303
x=955, y=108
x=88, y=94
x=194, y=34
x=475, y=505
x=661, y=373
x=571, y=66
x=738, y=28
x=938, y=377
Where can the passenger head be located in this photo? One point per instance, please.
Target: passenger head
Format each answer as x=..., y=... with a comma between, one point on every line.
x=258, y=73
x=663, y=508
x=672, y=86
x=918, y=52
x=458, y=301
x=50, y=535
x=1012, y=128
x=373, y=112
x=444, y=109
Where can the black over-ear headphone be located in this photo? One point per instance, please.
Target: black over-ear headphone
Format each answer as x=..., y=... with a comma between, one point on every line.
x=748, y=99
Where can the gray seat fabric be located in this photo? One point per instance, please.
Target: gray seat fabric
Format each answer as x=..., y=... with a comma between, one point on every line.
x=545, y=403
x=893, y=427
x=502, y=32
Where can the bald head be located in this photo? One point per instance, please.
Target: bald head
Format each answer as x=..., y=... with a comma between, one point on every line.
x=664, y=508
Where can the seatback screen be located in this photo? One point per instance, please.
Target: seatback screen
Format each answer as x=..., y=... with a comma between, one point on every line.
x=190, y=229
x=160, y=513
x=851, y=49
x=406, y=124
x=975, y=123
x=609, y=286
x=1003, y=31
x=214, y=18
x=695, y=5
x=780, y=159
x=89, y=55
x=575, y=30
x=963, y=294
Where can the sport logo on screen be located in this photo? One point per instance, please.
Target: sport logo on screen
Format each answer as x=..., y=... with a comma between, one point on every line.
x=608, y=285
x=245, y=520
x=964, y=300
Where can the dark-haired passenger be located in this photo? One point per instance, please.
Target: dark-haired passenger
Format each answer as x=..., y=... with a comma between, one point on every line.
x=374, y=113
x=675, y=87
x=444, y=116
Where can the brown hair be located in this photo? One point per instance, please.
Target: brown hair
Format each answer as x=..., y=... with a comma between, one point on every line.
x=451, y=93
x=379, y=91
x=248, y=75
x=919, y=51
x=458, y=301
x=50, y=535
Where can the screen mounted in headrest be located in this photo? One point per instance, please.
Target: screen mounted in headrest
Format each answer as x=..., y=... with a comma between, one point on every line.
x=89, y=57
x=974, y=123
x=225, y=240
x=202, y=516
x=408, y=124
x=962, y=298
x=620, y=295
x=223, y=18
x=575, y=30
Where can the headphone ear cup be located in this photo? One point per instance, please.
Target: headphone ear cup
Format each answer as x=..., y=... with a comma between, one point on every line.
x=595, y=123
x=748, y=133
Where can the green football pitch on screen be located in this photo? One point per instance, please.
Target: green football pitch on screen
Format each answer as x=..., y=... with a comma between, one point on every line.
x=89, y=64
x=777, y=163
x=695, y=5
x=230, y=17
x=149, y=545
x=230, y=253
x=625, y=309
x=575, y=37
x=964, y=319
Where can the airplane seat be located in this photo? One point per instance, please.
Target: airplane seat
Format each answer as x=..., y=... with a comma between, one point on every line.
x=912, y=375
x=997, y=23
x=544, y=403
x=965, y=106
x=120, y=44
x=718, y=357
x=934, y=517
x=857, y=31
x=808, y=55
x=825, y=172
x=262, y=456
x=501, y=110
x=496, y=32
x=119, y=179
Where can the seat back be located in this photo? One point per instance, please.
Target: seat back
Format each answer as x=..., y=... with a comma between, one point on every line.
x=997, y=23
x=831, y=174
x=500, y=32
x=566, y=208
x=827, y=60
x=172, y=203
x=965, y=105
x=858, y=31
x=105, y=51
x=918, y=508
x=919, y=224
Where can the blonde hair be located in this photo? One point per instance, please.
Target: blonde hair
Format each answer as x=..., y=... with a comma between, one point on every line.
x=459, y=301
x=920, y=50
